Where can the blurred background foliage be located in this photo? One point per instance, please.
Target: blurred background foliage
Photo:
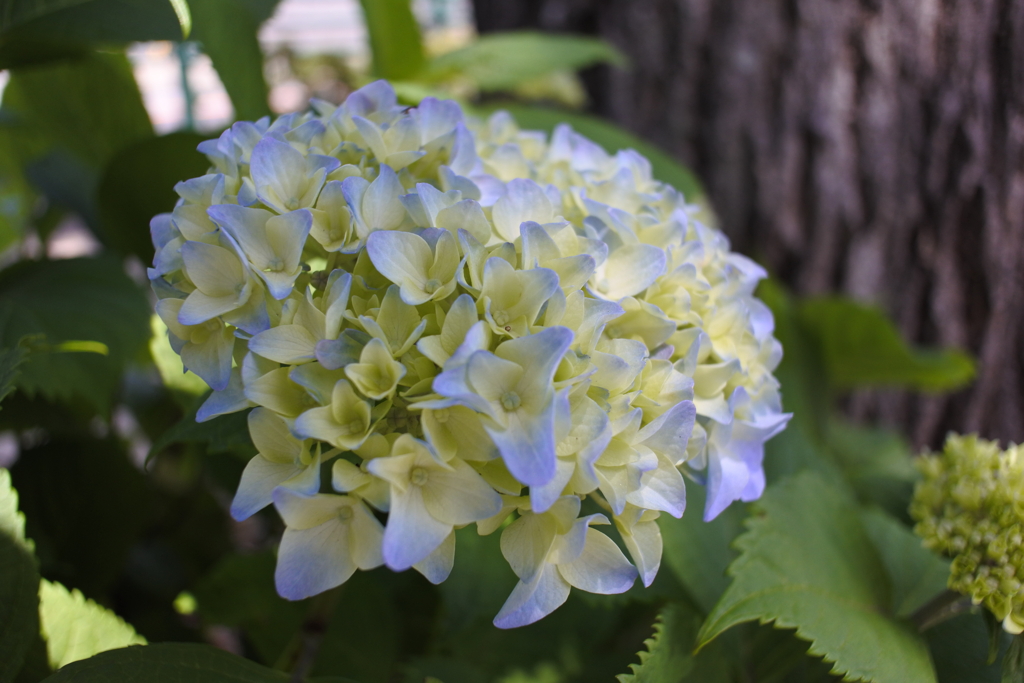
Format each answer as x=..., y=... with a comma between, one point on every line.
x=121, y=503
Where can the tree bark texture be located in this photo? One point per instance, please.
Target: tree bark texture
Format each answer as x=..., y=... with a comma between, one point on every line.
x=869, y=147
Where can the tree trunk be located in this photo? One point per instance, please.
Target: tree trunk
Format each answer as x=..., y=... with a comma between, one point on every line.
x=871, y=147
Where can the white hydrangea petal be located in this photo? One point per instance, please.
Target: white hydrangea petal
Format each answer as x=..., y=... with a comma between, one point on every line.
x=642, y=538
x=531, y=602
x=259, y=479
x=524, y=200
x=381, y=207
x=211, y=359
x=411, y=533
x=526, y=543
x=289, y=344
x=527, y=445
x=224, y=402
x=628, y=271
x=403, y=258
x=438, y=565
x=311, y=561
x=600, y=568
x=459, y=496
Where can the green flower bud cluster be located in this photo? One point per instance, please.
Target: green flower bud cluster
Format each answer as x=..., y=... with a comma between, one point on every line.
x=970, y=506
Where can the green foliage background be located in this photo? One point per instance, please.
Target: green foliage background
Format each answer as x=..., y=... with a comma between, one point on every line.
x=821, y=579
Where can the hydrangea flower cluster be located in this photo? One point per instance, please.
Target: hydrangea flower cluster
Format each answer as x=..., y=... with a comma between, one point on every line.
x=970, y=506
x=472, y=323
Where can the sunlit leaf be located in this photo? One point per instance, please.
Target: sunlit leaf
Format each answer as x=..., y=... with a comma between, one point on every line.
x=395, y=40
x=861, y=347
x=181, y=10
x=501, y=61
x=808, y=563
x=76, y=628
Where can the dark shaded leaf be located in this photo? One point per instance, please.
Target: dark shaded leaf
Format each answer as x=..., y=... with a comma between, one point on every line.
x=75, y=299
x=19, y=605
x=167, y=663
x=138, y=183
x=10, y=360
x=699, y=552
x=667, y=656
x=959, y=648
x=85, y=506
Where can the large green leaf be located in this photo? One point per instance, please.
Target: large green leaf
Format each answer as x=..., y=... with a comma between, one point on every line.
x=138, y=183
x=960, y=650
x=90, y=107
x=808, y=563
x=19, y=605
x=699, y=552
x=861, y=347
x=877, y=463
x=668, y=654
x=86, y=506
x=501, y=61
x=12, y=521
x=11, y=359
x=76, y=628
x=91, y=21
x=394, y=39
x=239, y=592
x=612, y=138
x=74, y=299
x=167, y=663
x=227, y=31
x=917, y=575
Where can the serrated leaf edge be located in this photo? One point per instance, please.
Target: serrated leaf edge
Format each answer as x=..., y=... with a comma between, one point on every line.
x=651, y=644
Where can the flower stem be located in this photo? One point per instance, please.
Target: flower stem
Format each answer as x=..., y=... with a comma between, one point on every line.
x=942, y=607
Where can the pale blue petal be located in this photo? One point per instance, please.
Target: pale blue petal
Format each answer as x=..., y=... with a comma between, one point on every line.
x=259, y=479
x=230, y=400
x=438, y=564
x=601, y=567
x=312, y=561
x=528, y=445
x=530, y=602
x=411, y=534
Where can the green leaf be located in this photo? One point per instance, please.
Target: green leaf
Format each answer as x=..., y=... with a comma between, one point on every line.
x=73, y=299
x=807, y=563
x=12, y=521
x=877, y=463
x=76, y=628
x=138, y=183
x=480, y=580
x=167, y=663
x=239, y=593
x=668, y=656
x=16, y=195
x=860, y=347
x=699, y=552
x=917, y=575
x=501, y=61
x=90, y=21
x=11, y=359
x=227, y=31
x=613, y=138
x=86, y=506
x=71, y=105
x=19, y=605
x=394, y=39
x=223, y=434
x=181, y=10
x=959, y=648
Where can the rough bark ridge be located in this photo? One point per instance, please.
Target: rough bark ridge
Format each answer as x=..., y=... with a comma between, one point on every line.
x=872, y=147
